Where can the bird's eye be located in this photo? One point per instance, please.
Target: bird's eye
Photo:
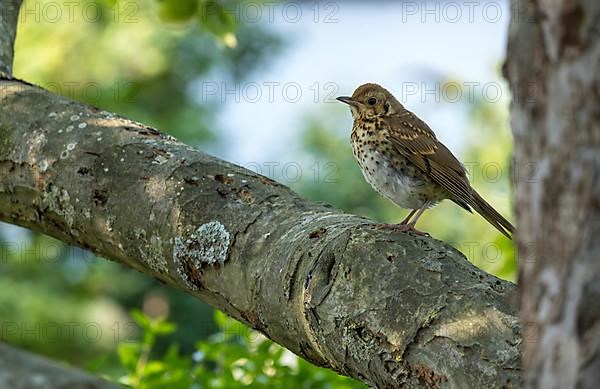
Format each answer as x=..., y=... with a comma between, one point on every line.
x=372, y=101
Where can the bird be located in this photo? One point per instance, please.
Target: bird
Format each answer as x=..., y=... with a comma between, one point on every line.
x=402, y=159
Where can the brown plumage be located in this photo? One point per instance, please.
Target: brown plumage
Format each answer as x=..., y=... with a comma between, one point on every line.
x=402, y=159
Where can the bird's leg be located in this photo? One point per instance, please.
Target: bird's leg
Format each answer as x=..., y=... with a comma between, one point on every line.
x=405, y=225
x=402, y=226
x=418, y=215
x=407, y=218
x=404, y=221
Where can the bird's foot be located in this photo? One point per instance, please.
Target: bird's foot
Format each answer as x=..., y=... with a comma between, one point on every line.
x=402, y=228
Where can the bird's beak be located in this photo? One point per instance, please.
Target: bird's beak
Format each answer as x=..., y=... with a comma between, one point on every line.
x=348, y=100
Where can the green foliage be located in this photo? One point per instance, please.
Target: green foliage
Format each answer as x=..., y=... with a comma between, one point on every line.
x=177, y=10
x=135, y=357
x=57, y=300
x=215, y=17
x=234, y=357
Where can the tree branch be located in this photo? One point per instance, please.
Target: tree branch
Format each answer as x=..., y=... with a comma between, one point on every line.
x=9, y=15
x=22, y=370
x=386, y=308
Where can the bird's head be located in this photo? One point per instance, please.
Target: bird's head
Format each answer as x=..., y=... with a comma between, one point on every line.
x=372, y=100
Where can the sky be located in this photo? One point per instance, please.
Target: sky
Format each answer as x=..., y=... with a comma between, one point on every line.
x=411, y=48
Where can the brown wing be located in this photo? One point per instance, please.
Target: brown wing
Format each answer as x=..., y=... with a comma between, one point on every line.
x=416, y=141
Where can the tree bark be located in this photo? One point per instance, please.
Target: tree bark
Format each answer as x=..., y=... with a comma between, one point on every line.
x=9, y=13
x=390, y=309
x=22, y=370
x=553, y=66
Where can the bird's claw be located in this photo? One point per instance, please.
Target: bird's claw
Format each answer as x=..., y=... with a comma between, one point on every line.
x=402, y=228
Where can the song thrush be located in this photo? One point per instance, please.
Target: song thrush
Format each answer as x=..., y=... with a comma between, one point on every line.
x=401, y=158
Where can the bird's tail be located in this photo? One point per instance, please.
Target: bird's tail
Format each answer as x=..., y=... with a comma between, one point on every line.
x=491, y=215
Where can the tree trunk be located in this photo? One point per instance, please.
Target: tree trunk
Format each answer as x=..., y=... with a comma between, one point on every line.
x=9, y=13
x=390, y=309
x=553, y=66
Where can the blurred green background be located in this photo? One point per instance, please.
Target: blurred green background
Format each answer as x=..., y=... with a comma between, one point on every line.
x=153, y=61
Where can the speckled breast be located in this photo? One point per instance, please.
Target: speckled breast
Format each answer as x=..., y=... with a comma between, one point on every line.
x=390, y=173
